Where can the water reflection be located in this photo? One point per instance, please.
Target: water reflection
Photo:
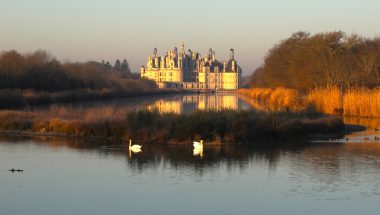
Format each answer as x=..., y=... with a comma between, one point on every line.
x=198, y=152
x=319, y=159
x=281, y=172
x=188, y=103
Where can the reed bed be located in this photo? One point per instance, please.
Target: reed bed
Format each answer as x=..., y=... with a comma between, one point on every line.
x=155, y=127
x=362, y=102
x=277, y=99
x=359, y=102
x=326, y=100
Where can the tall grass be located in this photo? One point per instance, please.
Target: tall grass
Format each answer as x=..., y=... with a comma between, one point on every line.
x=277, y=99
x=326, y=100
x=152, y=126
x=360, y=102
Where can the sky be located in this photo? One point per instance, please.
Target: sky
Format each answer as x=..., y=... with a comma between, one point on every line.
x=83, y=30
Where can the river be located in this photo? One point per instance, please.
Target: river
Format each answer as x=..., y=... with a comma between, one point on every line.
x=62, y=176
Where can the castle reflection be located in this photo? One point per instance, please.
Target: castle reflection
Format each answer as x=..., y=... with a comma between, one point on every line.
x=189, y=103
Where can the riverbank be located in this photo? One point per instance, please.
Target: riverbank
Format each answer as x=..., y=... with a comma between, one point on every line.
x=155, y=127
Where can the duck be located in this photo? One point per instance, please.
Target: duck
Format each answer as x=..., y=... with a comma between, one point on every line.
x=135, y=147
x=16, y=170
x=198, y=145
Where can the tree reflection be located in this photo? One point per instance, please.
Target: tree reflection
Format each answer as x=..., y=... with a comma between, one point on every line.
x=322, y=162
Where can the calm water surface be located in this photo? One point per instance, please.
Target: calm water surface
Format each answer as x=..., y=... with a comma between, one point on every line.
x=72, y=177
x=178, y=103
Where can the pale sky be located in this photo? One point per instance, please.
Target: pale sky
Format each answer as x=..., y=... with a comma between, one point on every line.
x=82, y=30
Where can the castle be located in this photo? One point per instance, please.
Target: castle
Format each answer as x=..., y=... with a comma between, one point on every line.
x=190, y=71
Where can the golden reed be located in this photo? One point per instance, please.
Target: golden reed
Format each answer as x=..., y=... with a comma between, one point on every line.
x=361, y=102
x=276, y=99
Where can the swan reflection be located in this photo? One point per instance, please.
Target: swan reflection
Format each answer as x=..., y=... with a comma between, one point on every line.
x=198, y=152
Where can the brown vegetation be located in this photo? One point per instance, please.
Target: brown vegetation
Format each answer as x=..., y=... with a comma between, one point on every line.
x=305, y=62
x=277, y=99
x=326, y=100
x=361, y=102
x=152, y=126
x=38, y=78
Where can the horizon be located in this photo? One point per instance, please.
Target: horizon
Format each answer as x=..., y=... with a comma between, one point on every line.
x=95, y=30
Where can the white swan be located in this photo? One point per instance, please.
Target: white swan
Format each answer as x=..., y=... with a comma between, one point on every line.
x=198, y=145
x=134, y=148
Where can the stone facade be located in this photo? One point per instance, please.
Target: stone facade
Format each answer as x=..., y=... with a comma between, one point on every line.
x=190, y=70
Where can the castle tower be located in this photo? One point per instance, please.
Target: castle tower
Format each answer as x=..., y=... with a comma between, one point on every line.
x=232, y=54
x=155, y=52
x=163, y=63
x=210, y=53
x=183, y=49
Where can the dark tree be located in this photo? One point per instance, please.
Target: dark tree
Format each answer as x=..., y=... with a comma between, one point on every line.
x=117, y=65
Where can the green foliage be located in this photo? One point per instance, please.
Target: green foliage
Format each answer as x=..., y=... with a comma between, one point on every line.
x=306, y=61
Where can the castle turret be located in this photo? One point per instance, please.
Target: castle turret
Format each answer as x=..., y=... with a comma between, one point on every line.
x=183, y=49
x=155, y=52
x=232, y=54
x=210, y=53
x=163, y=64
x=142, y=71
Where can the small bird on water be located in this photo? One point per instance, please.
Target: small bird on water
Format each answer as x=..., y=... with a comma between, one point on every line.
x=16, y=170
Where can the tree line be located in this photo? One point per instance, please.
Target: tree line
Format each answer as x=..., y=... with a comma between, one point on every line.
x=306, y=61
x=40, y=71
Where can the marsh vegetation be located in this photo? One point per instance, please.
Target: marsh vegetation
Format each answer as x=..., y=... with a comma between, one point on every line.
x=155, y=127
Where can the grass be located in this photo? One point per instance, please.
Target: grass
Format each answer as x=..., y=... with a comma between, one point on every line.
x=326, y=100
x=155, y=127
x=360, y=102
x=277, y=99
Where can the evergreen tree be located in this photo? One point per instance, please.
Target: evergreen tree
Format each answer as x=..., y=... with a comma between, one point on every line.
x=125, y=67
x=117, y=65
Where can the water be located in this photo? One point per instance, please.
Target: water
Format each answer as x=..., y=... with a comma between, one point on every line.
x=77, y=177
x=178, y=103
x=63, y=177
